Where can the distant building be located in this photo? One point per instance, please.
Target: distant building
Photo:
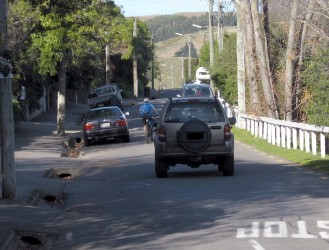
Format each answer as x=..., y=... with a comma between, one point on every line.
x=202, y=75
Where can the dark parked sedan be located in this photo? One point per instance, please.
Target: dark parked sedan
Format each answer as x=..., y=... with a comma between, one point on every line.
x=105, y=123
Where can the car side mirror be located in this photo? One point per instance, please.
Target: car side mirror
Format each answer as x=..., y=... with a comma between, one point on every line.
x=127, y=113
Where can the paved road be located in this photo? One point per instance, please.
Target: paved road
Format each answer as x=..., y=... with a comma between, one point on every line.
x=114, y=201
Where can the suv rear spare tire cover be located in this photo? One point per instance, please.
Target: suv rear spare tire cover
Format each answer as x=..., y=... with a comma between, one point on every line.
x=194, y=136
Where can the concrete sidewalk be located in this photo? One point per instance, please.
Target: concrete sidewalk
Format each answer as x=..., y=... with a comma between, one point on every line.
x=38, y=155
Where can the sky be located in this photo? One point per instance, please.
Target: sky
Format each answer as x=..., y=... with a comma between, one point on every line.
x=161, y=7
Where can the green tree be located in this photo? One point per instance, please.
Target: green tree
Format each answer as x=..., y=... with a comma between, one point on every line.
x=184, y=51
x=24, y=20
x=315, y=77
x=204, y=57
x=145, y=52
x=71, y=30
x=225, y=66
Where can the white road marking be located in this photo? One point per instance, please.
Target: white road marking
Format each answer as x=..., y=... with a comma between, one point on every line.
x=275, y=229
x=279, y=229
x=302, y=232
x=256, y=245
x=253, y=232
x=323, y=224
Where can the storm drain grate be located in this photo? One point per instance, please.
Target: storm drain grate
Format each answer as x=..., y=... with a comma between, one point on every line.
x=74, y=172
x=63, y=174
x=43, y=198
x=73, y=147
x=30, y=240
x=51, y=199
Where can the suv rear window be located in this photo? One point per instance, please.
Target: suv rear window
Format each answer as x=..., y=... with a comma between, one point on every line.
x=180, y=112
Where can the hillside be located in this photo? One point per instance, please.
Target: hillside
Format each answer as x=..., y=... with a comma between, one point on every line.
x=165, y=26
x=165, y=55
x=167, y=42
x=187, y=14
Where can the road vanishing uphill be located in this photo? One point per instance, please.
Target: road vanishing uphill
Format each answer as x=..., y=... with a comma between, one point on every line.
x=109, y=197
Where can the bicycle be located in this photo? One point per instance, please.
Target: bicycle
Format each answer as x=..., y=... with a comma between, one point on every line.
x=149, y=133
x=150, y=127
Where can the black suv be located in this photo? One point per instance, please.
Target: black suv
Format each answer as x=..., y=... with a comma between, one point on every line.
x=194, y=131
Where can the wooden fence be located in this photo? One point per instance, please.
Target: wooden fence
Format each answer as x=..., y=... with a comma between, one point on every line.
x=305, y=137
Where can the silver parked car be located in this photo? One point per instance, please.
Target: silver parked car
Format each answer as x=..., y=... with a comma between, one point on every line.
x=194, y=131
x=105, y=95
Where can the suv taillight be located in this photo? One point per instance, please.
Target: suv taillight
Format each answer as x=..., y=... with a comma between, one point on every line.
x=161, y=133
x=227, y=132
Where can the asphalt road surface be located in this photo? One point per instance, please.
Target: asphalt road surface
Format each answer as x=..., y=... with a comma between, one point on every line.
x=119, y=203
x=113, y=200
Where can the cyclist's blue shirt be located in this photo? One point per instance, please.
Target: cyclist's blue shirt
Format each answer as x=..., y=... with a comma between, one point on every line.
x=147, y=108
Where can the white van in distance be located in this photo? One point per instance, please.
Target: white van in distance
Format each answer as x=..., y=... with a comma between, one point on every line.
x=202, y=75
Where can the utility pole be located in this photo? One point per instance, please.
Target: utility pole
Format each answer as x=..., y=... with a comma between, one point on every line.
x=183, y=77
x=108, y=67
x=135, y=75
x=240, y=60
x=211, y=36
x=7, y=146
x=172, y=75
x=152, y=73
x=220, y=26
x=189, y=58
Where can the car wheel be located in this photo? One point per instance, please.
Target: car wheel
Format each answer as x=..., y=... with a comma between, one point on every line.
x=126, y=138
x=228, y=167
x=194, y=136
x=161, y=168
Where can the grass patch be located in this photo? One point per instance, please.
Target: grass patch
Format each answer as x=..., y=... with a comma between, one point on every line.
x=302, y=158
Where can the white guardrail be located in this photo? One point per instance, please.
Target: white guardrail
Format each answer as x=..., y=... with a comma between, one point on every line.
x=285, y=134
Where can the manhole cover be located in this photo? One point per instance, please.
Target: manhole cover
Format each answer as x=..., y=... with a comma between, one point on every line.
x=72, y=147
x=64, y=174
x=31, y=240
x=44, y=198
x=72, y=173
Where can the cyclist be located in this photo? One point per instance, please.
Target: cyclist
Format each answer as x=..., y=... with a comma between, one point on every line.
x=147, y=110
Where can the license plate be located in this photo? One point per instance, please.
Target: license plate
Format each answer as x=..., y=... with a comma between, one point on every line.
x=105, y=125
